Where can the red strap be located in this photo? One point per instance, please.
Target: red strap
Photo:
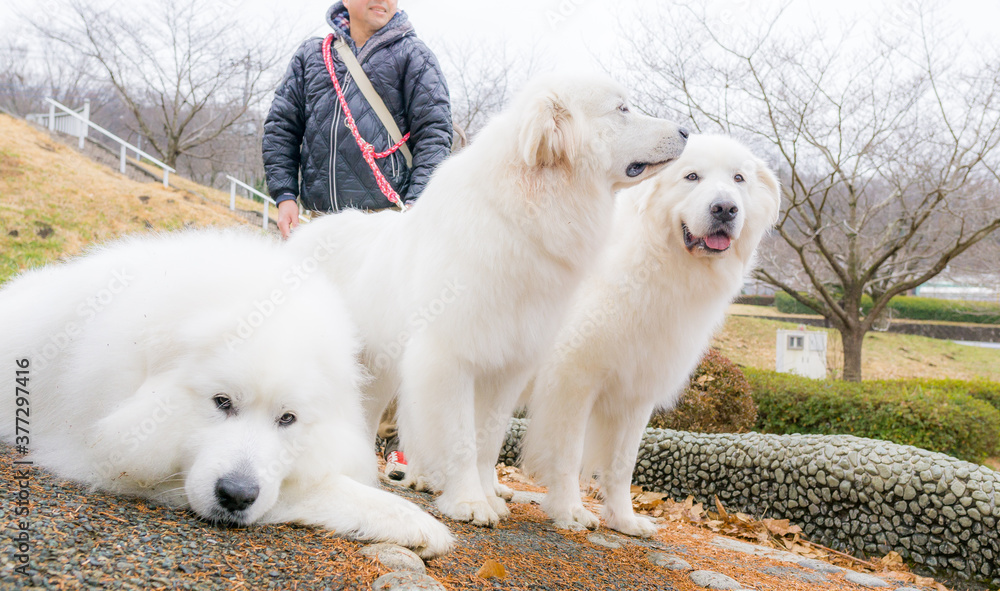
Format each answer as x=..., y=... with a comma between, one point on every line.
x=367, y=150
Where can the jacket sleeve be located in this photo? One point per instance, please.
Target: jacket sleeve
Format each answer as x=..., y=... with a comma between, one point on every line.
x=283, y=129
x=428, y=117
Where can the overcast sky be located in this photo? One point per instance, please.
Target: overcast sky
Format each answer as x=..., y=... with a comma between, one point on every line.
x=564, y=34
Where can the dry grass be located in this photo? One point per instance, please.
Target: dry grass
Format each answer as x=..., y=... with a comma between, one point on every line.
x=751, y=342
x=56, y=201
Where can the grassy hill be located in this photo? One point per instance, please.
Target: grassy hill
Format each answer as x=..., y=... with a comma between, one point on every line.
x=751, y=342
x=54, y=201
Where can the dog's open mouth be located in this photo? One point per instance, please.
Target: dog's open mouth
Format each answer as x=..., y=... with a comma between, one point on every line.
x=716, y=242
x=636, y=168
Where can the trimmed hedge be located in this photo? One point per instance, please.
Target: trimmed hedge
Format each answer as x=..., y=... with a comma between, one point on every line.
x=912, y=308
x=934, y=415
x=755, y=300
x=717, y=400
x=917, y=308
x=980, y=389
x=786, y=304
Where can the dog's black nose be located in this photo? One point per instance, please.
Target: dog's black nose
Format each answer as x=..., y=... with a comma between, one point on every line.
x=683, y=132
x=236, y=493
x=724, y=210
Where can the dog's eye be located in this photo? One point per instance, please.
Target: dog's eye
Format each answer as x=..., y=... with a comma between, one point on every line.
x=738, y=178
x=623, y=108
x=286, y=419
x=223, y=402
x=692, y=177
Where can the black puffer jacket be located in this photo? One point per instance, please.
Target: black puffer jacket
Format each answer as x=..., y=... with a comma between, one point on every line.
x=306, y=119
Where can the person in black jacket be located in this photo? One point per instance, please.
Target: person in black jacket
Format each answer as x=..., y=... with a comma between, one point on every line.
x=310, y=154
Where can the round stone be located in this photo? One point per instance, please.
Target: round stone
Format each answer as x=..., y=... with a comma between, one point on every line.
x=600, y=540
x=395, y=558
x=865, y=580
x=820, y=566
x=713, y=580
x=668, y=561
x=406, y=581
x=958, y=487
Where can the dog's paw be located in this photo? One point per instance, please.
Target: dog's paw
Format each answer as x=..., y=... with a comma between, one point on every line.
x=572, y=516
x=582, y=518
x=500, y=506
x=416, y=482
x=433, y=538
x=474, y=512
x=633, y=525
x=504, y=492
x=570, y=525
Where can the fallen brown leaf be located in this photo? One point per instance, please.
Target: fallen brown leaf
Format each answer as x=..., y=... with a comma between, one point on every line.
x=491, y=569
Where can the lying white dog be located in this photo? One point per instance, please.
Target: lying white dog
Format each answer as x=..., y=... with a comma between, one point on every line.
x=682, y=244
x=204, y=370
x=457, y=299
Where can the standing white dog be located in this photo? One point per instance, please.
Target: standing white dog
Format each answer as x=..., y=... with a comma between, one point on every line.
x=682, y=245
x=206, y=370
x=457, y=299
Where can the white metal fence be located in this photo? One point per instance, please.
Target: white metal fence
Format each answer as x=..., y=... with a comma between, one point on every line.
x=65, y=122
x=78, y=124
x=251, y=192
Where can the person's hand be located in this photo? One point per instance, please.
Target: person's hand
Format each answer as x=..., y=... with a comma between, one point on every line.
x=288, y=217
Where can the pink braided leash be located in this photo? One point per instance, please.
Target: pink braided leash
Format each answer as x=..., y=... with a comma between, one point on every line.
x=367, y=150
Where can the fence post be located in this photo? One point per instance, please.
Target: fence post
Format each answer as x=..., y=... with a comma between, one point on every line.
x=85, y=124
x=52, y=117
x=138, y=144
x=166, y=174
x=232, y=194
x=264, y=220
x=121, y=167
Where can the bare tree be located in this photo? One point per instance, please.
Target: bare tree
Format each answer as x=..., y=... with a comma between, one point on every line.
x=29, y=73
x=186, y=74
x=886, y=138
x=481, y=79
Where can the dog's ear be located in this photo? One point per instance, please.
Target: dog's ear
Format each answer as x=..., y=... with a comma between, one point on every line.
x=771, y=187
x=548, y=134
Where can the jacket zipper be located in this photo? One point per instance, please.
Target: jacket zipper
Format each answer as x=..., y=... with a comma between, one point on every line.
x=332, y=161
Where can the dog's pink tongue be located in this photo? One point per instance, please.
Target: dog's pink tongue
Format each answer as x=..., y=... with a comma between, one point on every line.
x=717, y=241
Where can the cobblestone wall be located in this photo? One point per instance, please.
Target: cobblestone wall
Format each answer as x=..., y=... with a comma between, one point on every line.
x=853, y=494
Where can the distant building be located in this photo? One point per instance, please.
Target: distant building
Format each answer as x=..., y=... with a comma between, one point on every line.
x=801, y=352
x=982, y=289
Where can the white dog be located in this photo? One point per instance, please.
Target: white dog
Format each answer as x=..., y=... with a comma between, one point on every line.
x=457, y=299
x=204, y=370
x=682, y=244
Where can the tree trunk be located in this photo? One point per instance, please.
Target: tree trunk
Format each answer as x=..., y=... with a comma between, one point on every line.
x=852, y=338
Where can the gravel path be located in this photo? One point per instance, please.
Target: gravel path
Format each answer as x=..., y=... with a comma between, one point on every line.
x=80, y=539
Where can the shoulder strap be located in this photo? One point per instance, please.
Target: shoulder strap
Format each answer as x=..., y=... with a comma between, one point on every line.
x=376, y=102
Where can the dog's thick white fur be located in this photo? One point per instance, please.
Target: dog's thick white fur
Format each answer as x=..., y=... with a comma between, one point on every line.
x=459, y=298
x=681, y=247
x=206, y=370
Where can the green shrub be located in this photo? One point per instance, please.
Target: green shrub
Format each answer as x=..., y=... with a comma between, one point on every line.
x=912, y=308
x=755, y=300
x=980, y=389
x=717, y=400
x=789, y=305
x=786, y=304
x=928, y=415
x=918, y=308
